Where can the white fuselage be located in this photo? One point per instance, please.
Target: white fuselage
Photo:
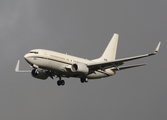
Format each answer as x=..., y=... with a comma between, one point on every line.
x=61, y=63
x=48, y=63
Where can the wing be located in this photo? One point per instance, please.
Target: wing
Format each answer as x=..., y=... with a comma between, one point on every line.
x=118, y=62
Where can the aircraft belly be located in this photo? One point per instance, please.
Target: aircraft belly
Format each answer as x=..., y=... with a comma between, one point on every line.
x=96, y=75
x=101, y=74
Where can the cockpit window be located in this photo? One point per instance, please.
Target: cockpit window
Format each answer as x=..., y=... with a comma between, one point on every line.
x=33, y=52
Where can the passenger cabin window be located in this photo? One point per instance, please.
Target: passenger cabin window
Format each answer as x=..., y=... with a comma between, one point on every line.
x=33, y=52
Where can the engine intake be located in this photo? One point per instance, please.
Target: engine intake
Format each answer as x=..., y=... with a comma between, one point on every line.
x=79, y=67
x=40, y=74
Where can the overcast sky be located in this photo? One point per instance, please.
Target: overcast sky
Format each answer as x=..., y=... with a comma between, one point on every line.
x=83, y=28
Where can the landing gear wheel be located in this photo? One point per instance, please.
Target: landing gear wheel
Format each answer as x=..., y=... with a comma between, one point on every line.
x=83, y=80
x=60, y=82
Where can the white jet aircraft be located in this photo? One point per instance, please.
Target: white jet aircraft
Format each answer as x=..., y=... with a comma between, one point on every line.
x=46, y=63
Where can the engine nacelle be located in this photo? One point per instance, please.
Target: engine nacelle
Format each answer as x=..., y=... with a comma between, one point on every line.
x=40, y=74
x=79, y=67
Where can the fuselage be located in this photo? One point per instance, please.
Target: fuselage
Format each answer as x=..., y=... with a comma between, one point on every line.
x=60, y=63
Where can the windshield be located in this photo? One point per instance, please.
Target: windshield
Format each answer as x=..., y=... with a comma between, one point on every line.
x=33, y=52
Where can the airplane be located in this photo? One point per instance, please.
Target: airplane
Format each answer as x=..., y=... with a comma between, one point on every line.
x=47, y=63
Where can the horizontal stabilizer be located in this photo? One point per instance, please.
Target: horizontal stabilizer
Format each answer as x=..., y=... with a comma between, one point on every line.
x=127, y=67
x=17, y=69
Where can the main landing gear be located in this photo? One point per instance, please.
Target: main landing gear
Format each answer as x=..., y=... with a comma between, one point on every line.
x=83, y=80
x=60, y=82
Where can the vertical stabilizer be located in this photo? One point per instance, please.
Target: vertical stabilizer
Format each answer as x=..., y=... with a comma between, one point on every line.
x=110, y=51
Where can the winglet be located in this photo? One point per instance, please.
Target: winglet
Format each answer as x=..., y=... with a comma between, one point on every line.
x=157, y=48
x=17, y=66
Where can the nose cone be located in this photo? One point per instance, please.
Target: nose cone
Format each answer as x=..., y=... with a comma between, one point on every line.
x=25, y=56
x=28, y=57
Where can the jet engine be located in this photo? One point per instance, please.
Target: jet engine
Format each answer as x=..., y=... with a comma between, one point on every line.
x=79, y=67
x=40, y=74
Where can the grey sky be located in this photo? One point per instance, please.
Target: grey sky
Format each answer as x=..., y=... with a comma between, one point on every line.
x=84, y=28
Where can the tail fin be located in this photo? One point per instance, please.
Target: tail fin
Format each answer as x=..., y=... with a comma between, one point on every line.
x=110, y=51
